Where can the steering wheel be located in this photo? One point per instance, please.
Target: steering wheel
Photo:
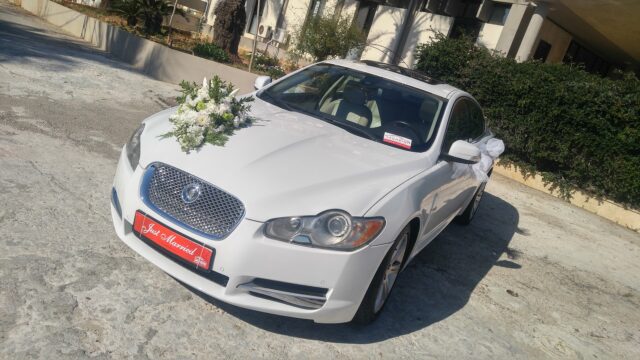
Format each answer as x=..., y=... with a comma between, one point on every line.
x=407, y=125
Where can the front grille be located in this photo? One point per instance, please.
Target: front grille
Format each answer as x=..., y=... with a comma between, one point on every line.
x=215, y=213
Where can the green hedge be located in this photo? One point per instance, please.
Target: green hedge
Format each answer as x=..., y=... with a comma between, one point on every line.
x=212, y=52
x=269, y=65
x=578, y=129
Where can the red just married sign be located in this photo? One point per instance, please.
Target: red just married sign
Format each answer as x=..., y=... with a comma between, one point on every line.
x=173, y=242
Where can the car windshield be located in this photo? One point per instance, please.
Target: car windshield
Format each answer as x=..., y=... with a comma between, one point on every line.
x=366, y=105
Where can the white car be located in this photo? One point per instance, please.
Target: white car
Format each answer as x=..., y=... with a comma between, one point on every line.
x=350, y=170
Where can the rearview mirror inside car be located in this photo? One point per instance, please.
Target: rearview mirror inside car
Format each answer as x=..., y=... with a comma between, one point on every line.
x=261, y=81
x=462, y=152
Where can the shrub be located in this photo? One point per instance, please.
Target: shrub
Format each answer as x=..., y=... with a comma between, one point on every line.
x=269, y=65
x=322, y=37
x=211, y=51
x=578, y=129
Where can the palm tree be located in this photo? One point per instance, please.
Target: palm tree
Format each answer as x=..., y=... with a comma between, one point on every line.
x=229, y=24
x=152, y=13
x=130, y=9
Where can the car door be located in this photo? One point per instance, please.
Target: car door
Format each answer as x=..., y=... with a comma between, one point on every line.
x=452, y=182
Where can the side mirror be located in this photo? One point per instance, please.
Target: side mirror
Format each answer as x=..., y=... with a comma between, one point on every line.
x=261, y=81
x=463, y=152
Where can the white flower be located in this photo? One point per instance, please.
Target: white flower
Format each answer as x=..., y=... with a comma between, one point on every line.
x=212, y=108
x=192, y=119
x=192, y=101
x=202, y=119
x=224, y=108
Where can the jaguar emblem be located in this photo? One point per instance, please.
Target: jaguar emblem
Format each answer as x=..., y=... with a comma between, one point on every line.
x=191, y=193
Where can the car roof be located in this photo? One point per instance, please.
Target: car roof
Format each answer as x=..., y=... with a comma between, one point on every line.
x=399, y=74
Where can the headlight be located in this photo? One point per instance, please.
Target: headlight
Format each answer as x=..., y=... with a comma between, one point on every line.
x=133, y=147
x=333, y=229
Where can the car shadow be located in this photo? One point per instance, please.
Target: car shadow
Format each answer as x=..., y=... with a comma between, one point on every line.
x=435, y=285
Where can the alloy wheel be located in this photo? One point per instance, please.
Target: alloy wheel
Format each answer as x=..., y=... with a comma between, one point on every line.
x=391, y=272
x=477, y=198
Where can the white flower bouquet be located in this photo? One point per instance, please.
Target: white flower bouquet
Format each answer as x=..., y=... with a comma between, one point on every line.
x=208, y=114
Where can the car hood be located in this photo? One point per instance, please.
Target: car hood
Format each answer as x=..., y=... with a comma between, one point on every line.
x=288, y=164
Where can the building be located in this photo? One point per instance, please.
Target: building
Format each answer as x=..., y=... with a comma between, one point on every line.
x=601, y=34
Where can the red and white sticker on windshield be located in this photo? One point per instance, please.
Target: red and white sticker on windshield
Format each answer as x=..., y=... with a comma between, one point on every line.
x=403, y=142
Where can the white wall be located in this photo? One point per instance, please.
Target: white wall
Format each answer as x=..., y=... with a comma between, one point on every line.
x=557, y=37
x=489, y=35
x=271, y=12
x=425, y=26
x=296, y=14
x=383, y=34
x=517, y=15
x=349, y=8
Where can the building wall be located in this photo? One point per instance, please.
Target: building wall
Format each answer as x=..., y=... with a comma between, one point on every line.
x=349, y=8
x=557, y=37
x=513, y=30
x=296, y=14
x=425, y=26
x=489, y=35
x=383, y=38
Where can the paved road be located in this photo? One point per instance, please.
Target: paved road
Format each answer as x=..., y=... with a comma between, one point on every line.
x=532, y=277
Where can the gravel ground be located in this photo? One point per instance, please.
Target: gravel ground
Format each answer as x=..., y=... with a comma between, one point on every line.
x=532, y=277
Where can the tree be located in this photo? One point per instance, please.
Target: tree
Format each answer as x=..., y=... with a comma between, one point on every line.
x=153, y=12
x=327, y=36
x=130, y=9
x=229, y=25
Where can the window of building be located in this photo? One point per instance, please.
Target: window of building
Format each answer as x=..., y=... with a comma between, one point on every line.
x=542, y=51
x=316, y=7
x=499, y=13
x=365, y=15
x=466, y=22
x=402, y=4
x=578, y=54
x=434, y=6
x=253, y=24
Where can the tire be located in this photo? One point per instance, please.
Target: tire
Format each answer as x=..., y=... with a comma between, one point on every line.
x=382, y=284
x=468, y=214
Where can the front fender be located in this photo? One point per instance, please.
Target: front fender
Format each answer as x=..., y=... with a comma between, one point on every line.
x=406, y=202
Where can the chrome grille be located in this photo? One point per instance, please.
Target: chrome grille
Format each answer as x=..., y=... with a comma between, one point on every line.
x=215, y=213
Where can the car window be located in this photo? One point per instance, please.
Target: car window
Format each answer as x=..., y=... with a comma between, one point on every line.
x=313, y=83
x=476, y=120
x=465, y=123
x=367, y=105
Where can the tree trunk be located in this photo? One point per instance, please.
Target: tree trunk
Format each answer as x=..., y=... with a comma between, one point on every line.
x=228, y=27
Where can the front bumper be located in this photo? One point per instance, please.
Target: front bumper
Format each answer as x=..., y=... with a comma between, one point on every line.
x=252, y=271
